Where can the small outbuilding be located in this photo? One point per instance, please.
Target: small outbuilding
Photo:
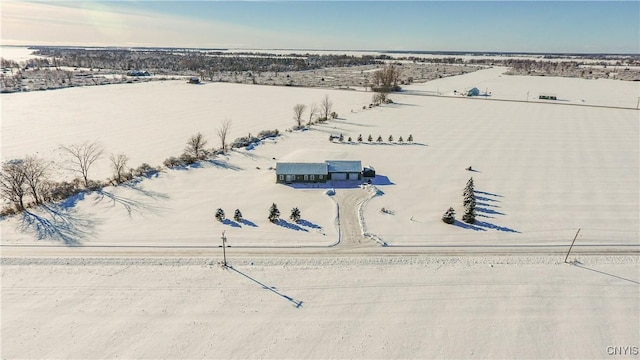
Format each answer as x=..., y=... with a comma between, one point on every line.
x=547, y=97
x=473, y=92
x=194, y=80
x=368, y=172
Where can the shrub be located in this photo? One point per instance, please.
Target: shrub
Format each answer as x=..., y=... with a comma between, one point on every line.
x=220, y=214
x=449, y=216
x=268, y=133
x=172, y=162
x=237, y=215
x=274, y=213
x=295, y=214
x=188, y=159
x=63, y=190
x=244, y=141
x=144, y=170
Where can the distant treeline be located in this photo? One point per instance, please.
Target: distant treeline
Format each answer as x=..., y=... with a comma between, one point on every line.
x=176, y=61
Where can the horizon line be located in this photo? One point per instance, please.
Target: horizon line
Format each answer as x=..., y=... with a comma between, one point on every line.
x=382, y=51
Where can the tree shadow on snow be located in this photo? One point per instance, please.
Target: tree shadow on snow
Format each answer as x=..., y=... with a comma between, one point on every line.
x=230, y=223
x=288, y=225
x=151, y=194
x=296, y=303
x=488, y=211
x=248, y=223
x=224, y=165
x=58, y=223
x=464, y=225
x=309, y=224
x=72, y=200
x=495, y=227
x=486, y=193
x=131, y=206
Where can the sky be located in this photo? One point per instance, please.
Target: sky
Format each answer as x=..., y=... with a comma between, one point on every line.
x=504, y=26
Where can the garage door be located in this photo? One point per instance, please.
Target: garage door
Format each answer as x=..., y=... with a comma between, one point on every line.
x=339, y=176
x=353, y=176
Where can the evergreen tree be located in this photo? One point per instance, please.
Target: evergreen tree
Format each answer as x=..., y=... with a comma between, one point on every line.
x=295, y=214
x=469, y=202
x=341, y=138
x=469, y=215
x=449, y=216
x=331, y=138
x=237, y=216
x=274, y=213
x=370, y=138
x=220, y=214
x=390, y=138
x=360, y=138
x=400, y=140
x=410, y=138
x=379, y=138
x=349, y=139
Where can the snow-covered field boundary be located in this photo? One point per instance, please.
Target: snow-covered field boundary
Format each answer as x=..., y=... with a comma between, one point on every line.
x=281, y=261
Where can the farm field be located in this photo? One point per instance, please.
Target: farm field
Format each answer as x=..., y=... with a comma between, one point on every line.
x=134, y=271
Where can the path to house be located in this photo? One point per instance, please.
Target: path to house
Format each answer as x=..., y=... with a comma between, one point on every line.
x=350, y=202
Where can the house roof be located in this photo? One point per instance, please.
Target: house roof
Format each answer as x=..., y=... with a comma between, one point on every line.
x=301, y=168
x=344, y=166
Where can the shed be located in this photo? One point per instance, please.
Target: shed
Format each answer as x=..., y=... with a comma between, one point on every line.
x=473, y=92
x=194, y=80
x=344, y=169
x=369, y=172
x=301, y=172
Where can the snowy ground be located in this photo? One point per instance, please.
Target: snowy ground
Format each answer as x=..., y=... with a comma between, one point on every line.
x=541, y=170
x=361, y=308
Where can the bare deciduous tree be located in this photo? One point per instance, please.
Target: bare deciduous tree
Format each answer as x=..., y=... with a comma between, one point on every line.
x=325, y=108
x=313, y=112
x=119, y=165
x=13, y=182
x=35, y=172
x=298, y=110
x=223, y=131
x=385, y=81
x=195, y=146
x=82, y=157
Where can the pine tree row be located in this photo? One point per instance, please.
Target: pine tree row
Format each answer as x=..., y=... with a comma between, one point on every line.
x=370, y=138
x=274, y=214
x=469, y=203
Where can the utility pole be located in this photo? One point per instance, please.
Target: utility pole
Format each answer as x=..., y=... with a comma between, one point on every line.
x=574, y=240
x=224, y=253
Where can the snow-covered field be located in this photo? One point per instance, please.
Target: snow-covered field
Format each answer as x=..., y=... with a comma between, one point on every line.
x=541, y=171
x=368, y=308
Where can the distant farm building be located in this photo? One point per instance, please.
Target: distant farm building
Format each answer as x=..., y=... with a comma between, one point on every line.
x=288, y=173
x=194, y=80
x=473, y=92
x=547, y=97
x=138, y=73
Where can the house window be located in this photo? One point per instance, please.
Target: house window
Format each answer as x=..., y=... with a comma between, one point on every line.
x=313, y=177
x=281, y=177
x=321, y=177
x=306, y=177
